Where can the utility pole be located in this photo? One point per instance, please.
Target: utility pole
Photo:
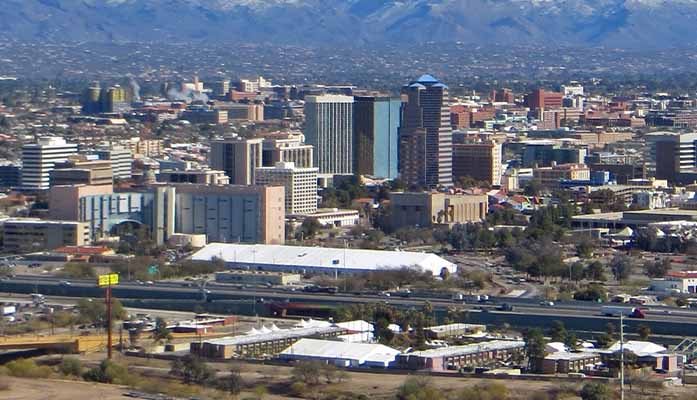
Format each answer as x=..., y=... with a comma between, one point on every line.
x=621, y=356
x=108, y=319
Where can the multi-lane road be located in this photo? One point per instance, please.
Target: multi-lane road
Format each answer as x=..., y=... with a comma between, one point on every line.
x=219, y=292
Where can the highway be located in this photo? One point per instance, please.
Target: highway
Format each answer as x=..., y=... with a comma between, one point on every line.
x=222, y=292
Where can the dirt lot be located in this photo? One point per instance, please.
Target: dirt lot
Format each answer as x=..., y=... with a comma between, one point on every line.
x=29, y=389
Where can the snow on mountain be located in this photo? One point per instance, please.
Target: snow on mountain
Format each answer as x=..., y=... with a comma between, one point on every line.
x=624, y=23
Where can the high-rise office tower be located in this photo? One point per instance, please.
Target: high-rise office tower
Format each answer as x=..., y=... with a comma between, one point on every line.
x=376, y=121
x=39, y=159
x=238, y=157
x=329, y=128
x=121, y=160
x=300, y=185
x=114, y=100
x=426, y=148
x=478, y=160
x=90, y=100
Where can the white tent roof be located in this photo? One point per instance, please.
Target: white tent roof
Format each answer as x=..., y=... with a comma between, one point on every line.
x=328, y=349
x=322, y=257
x=638, y=347
x=556, y=347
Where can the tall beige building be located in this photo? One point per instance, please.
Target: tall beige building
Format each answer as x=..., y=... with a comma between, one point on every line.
x=287, y=148
x=238, y=157
x=300, y=184
x=481, y=161
x=424, y=209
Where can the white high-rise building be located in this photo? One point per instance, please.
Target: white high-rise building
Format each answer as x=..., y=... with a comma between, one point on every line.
x=121, y=160
x=300, y=184
x=39, y=159
x=329, y=128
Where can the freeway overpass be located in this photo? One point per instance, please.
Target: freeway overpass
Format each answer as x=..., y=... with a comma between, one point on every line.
x=577, y=315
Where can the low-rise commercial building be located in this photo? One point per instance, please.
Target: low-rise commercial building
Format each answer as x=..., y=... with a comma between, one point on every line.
x=21, y=235
x=676, y=282
x=456, y=357
x=423, y=209
x=564, y=362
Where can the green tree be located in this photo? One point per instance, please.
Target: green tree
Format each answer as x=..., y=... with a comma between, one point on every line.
x=591, y=293
x=94, y=311
x=621, y=267
x=585, y=247
x=535, y=345
x=577, y=271
x=644, y=331
x=308, y=372
x=558, y=332
x=595, y=271
x=161, y=331
x=308, y=229
x=78, y=270
x=596, y=391
x=657, y=269
x=191, y=370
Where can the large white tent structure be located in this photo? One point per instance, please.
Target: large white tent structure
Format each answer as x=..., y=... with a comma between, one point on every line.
x=262, y=257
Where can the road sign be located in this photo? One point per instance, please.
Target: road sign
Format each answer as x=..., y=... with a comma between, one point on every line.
x=108, y=280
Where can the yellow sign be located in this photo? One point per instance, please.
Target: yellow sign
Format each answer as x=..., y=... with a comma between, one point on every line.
x=107, y=280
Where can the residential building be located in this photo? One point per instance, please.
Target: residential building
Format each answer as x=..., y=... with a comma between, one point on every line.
x=247, y=214
x=238, y=157
x=424, y=209
x=287, y=148
x=82, y=169
x=39, y=159
x=480, y=161
x=300, y=185
x=376, y=121
x=426, y=154
x=21, y=235
x=121, y=160
x=329, y=128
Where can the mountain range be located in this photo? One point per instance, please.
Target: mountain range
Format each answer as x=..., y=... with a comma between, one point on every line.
x=615, y=23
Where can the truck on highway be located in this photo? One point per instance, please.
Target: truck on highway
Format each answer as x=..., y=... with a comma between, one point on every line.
x=615, y=311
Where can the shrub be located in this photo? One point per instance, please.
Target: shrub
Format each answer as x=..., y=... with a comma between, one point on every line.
x=109, y=372
x=26, y=368
x=70, y=366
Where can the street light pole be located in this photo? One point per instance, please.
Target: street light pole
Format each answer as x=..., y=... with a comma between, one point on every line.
x=621, y=356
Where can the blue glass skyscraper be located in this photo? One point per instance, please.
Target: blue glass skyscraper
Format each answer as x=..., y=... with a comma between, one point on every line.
x=376, y=121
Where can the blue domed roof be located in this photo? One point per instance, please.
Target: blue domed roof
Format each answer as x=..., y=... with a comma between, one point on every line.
x=426, y=78
x=417, y=85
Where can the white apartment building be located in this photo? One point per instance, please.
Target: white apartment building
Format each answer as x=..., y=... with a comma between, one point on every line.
x=300, y=184
x=39, y=159
x=329, y=128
